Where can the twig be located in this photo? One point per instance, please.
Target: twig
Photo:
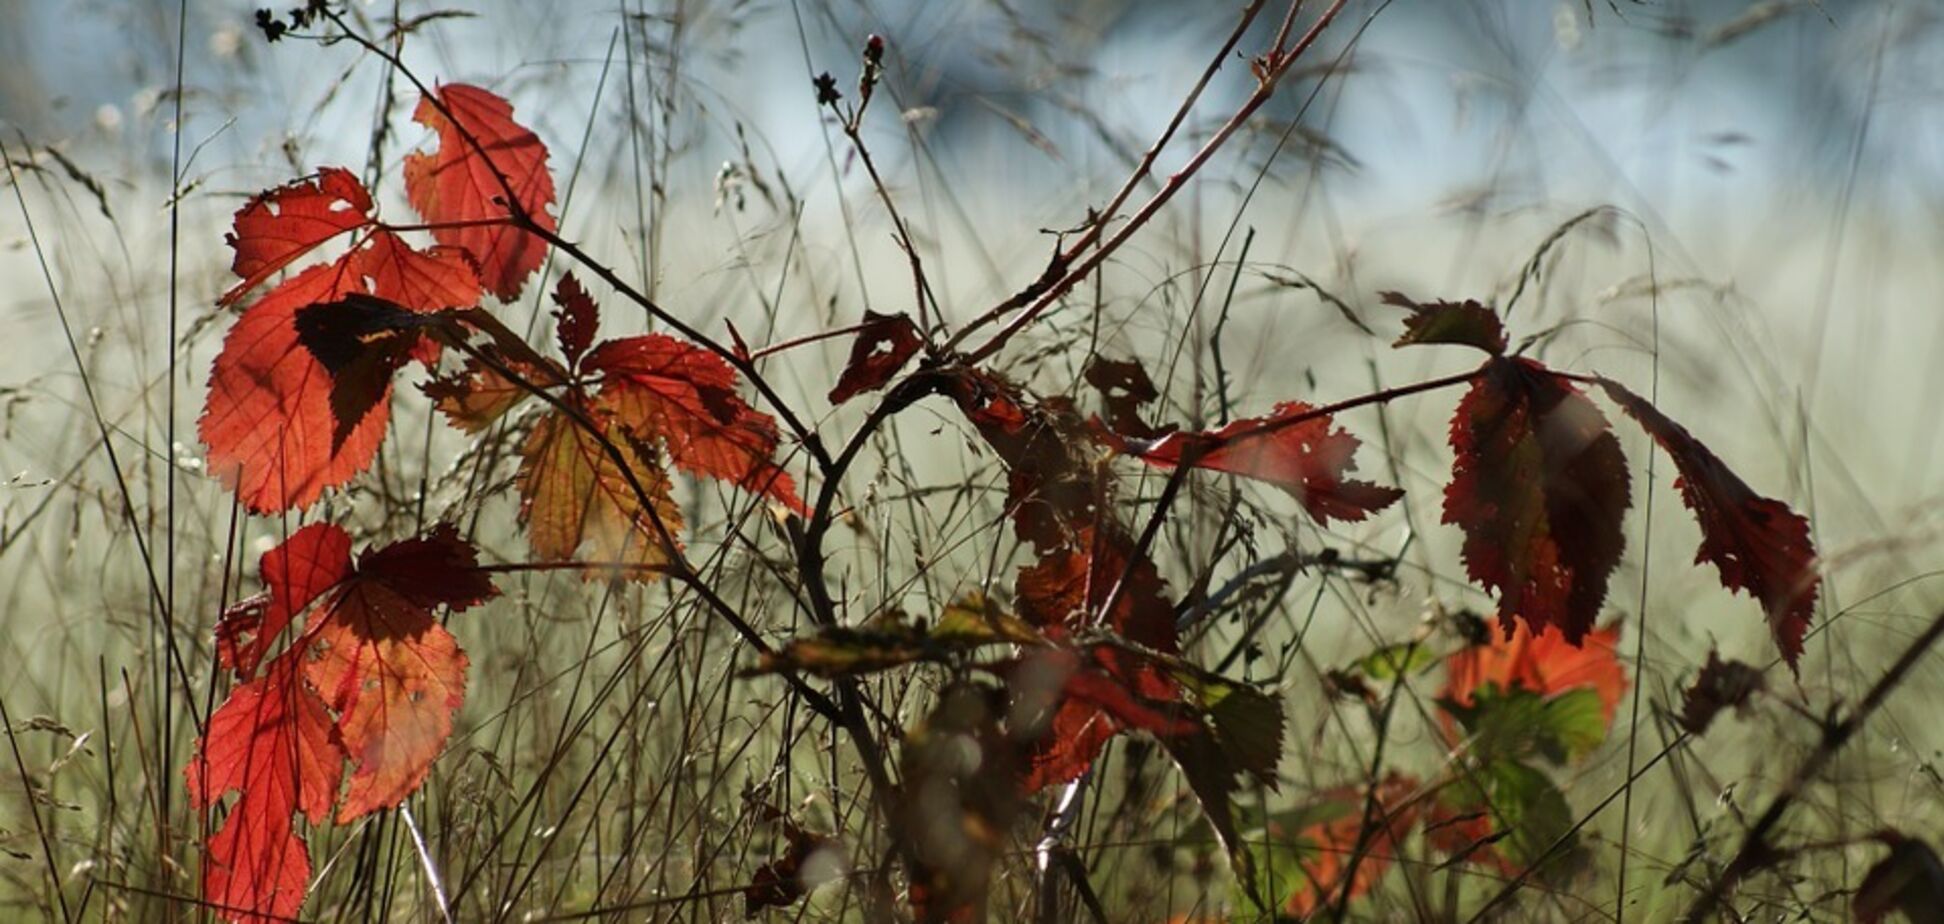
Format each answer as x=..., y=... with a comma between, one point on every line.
x=1755, y=851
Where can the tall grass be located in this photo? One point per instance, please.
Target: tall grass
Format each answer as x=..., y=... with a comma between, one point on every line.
x=610, y=763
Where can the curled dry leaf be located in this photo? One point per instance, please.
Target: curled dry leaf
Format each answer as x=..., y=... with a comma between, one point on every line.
x=1757, y=544
x=883, y=345
x=1466, y=323
x=1723, y=684
x=1124, y=388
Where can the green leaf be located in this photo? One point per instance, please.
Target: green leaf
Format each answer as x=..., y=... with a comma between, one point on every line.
x=1517, y=724
x=1388, y=662
x=1520, y=800
x=1247, y=724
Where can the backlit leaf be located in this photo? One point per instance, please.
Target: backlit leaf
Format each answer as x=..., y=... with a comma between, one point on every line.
x=1539, y=487
x=461, y=183
x=575, y=320
x=279, y=226
x=1757, y=544
x=684, y=397
x=273, y=742
x=575, y=495
x=1307, y=458
x=1543, y=664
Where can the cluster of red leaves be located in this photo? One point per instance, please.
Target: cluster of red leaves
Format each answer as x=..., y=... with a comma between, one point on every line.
x=269, y=421
x=372, y=679
x=1539, y=486
x=299, y=403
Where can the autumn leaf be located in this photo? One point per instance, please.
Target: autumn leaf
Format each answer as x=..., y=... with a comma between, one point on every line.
x=281, y=225
x=576, y=319
x=374, y=654
x=1466, y=323
x=1544, y=664
x=385, y=664
x=273, y=742
x=301, y=569
x=1306, y=458
x=1124, y=387
x=479, y=394
x=268, y=420
x=461, y=183
x=780, y=882
x=1056, y=487
x=1757, y=544
x=1539, y=487
x=362, y=342
x=280, y=426
x=574, y=494
x=684, y=397
x=1327, y=840
x=884, y=344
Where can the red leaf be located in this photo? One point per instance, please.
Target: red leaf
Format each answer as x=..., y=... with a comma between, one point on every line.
x=382, y=662
x=1757, y=543
x=1308, y=459
x=685, y=397
x=274, y=433
x=273, y=742
x=458, y=184
x=883, y=346
x=267, y=420
x=1544, y=664
x=1539, y=487
x=1467, y=323
x=279, y=226
x=1108, y=689
x=310, y=562
x=1086, y=699
x=576, y=320
x=433, y=279
x=1054, y=481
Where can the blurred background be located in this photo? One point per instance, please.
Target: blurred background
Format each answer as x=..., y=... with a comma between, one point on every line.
x=1737, y=203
